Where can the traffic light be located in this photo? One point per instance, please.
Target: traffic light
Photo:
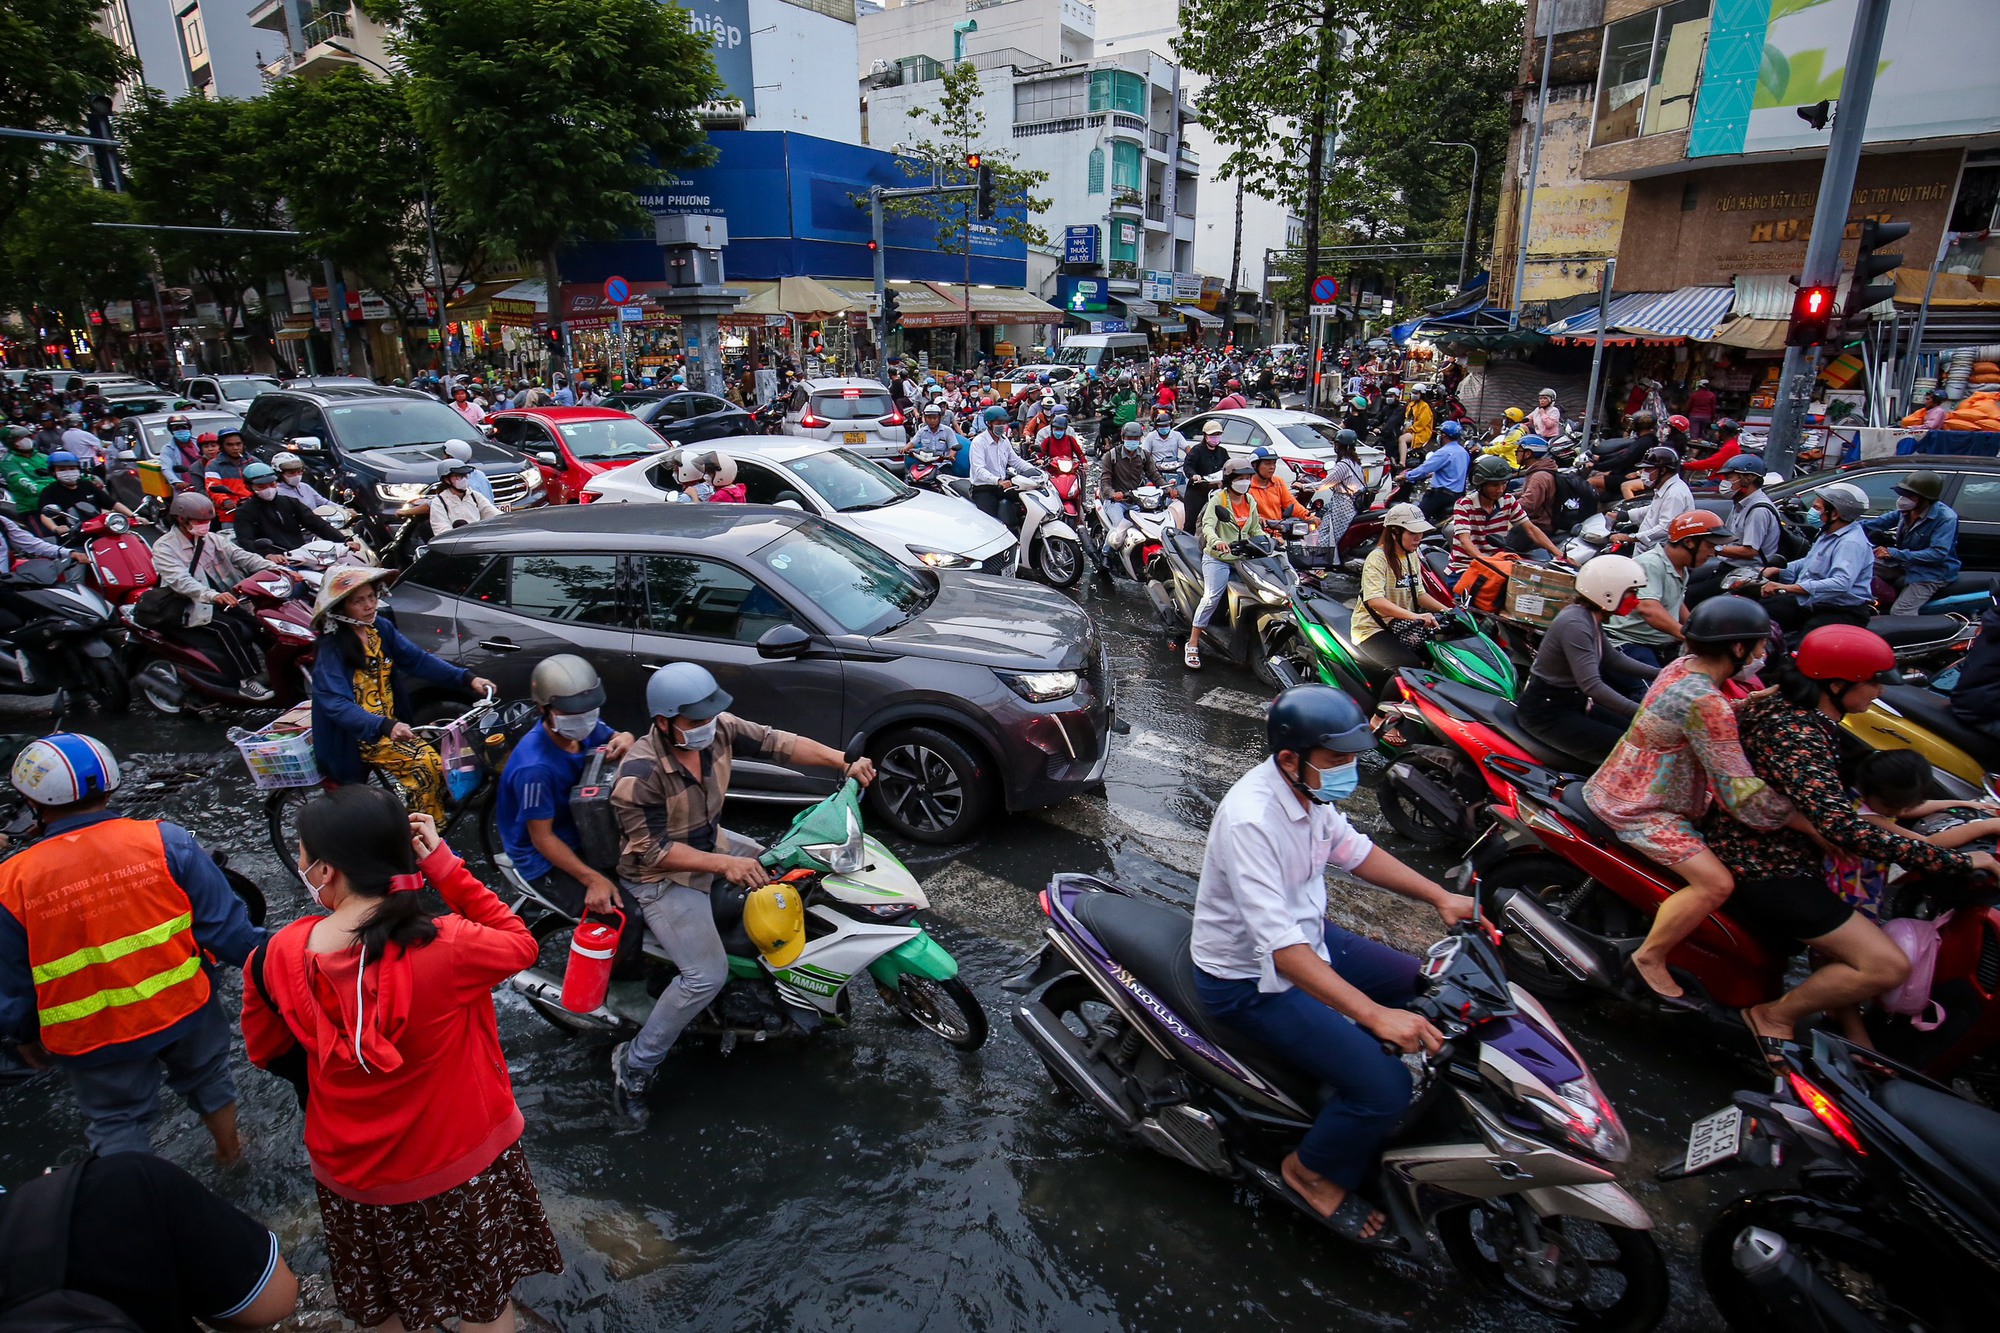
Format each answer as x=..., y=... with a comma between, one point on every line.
x=982, y=176
x=1862, y=291
x=1812, y=313
x=889, y=311
x=555, y=339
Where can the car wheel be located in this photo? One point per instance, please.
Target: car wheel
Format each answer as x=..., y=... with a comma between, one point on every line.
x=929, y=786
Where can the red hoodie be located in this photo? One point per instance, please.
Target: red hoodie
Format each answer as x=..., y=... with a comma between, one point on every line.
x=421, y=1102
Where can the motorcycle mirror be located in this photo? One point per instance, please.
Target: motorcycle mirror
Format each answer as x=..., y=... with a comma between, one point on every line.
x=853, y=751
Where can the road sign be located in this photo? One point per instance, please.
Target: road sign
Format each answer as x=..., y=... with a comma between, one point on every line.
x=617, y=291
x=631, y=314
x=1324, y=311
x=1325, y=290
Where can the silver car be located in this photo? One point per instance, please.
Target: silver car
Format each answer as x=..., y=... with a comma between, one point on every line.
x=857, y=414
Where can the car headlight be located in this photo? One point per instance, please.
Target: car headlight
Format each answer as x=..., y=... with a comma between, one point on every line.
x=941, y=559
x=1039, y=687
x=401, y=492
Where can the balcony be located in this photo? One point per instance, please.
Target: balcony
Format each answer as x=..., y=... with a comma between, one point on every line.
x=1126, y=199
x=1156, y=211
x=268, y=15
x=325, y=27
x=1189, y=161
x=1125, y=270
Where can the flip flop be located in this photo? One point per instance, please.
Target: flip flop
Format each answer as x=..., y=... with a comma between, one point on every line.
x=1772, y=1050
x=1683, y=1003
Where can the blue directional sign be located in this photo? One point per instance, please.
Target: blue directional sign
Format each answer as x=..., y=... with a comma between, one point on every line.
x=1080, y=244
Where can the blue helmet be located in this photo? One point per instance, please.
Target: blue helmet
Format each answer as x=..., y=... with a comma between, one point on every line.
x=1261, y=454
x=1451, y=430
x=993, y=414
x=683, y=689
x=63, y=457
x=1317, y=717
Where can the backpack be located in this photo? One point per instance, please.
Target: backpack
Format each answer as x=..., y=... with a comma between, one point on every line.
x=34, y=1259
x=1794, y=539
x=1575, y=501
x=1919, y=942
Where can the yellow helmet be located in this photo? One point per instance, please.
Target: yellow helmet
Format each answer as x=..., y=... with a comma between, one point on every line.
x=774, y=917
x=1515, y=414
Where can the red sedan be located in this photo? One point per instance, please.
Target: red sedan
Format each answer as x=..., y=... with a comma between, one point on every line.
x=573, y=444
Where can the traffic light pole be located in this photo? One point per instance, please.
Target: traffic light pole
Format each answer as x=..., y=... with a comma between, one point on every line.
x=876, y=194
x=1829, y=226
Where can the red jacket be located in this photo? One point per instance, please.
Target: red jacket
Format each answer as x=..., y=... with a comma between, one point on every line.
x=1730, y=448
x=409, y=1090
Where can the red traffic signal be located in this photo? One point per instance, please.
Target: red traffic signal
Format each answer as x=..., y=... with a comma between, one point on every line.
x=972, y=161
x=1812, y=314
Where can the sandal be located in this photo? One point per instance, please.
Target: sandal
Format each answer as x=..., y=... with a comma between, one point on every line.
x=1635, y=980
x=1772, y=1050
x=1191, y=658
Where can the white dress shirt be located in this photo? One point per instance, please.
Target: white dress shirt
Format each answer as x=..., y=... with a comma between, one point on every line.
x=1263, y=878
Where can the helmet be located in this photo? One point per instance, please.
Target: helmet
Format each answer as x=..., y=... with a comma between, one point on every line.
x=720, y=466
x=1342, y=436
x=458, y=449
x=1407, y=517
x=993, y=414
x=1726, y=619
x=1515, y=415
x=1235, y=384
x=64, y=458
x=1662, y=458
x=1317, y=717
x=1238, y=467
x=1392, y=392
x=286, y=460
x=1489, y=469
x=1451, y=430
x=1927, y=486
x=1604, y=581
x=683, y=689
x=1131, y=430
x=774, y=917
x=256, y=472
x=933, y=408
x=566, y=683
x=1163, y=414
x=1359, y=400
x=1533, y=444
x=1752, y=464
x=1727, y=428
x=1847, y=499
x=1836, y=652
x=177, y=420
x=1060, y=421
x=1546, y=393
x=342, y=582
x=1679, y=423
x=1697, y=523
x=454, y=467
x=191, y=507
x=64, y=768
x=228, y=433
x=1642, y=423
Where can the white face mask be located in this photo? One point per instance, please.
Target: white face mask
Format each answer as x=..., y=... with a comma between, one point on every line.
x=460, y=483
x=267, y=492
x=316, y=890
x=574, y=726
x=67, y=475
x=699, y=736
x=1754, y=665
x=1241, y=485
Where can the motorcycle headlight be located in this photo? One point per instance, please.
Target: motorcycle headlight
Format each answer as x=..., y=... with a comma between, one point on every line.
x=401, y=492
x=941, y=559
x=1039, y=687
x=842, y=858
x=1580, y=1112
x=285, y=629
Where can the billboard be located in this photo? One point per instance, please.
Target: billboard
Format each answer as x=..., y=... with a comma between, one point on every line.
x=1767, y=58
x=1082, y=296
x=727, y=23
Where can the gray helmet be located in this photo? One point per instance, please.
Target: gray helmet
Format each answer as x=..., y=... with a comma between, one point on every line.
x=1490, y=469
x=1132, y=430
x=682, y=689
x=1846, y=499
x=1748, y=464
x=567, y=684
x=1239, y=467
x=191, y=507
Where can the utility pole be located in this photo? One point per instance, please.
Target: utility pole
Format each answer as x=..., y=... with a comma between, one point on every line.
x=1545, y=17
x=1829, y=226
x=876, y=194
x=1597, y=353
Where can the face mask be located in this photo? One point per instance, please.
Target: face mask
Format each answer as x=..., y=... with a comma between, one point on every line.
x=267, y=492
x=292, y=478
x=574, y=726
x=1905, y=503
x=67, y=475
x=698, y=737
x=1241, y=485
x=1336, y=784
x=316, y=890
x=460, y=483
x=1626, y=604
x=1816, y=518
x=199, y=529
x=182, y=436
x=1754, y=665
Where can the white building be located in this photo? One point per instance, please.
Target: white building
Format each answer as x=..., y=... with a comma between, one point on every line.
x=778, y=60
x=187, y=46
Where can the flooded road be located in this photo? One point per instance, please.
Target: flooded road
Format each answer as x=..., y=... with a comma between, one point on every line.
x=875, y=1178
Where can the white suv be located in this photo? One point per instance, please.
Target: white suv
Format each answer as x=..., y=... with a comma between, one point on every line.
x=858, y=415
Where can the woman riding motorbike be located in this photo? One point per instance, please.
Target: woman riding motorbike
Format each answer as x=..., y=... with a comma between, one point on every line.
x=1393, y=613
x=1345, y=479
x=1657, y=781
x=1791, y=736
x=1568, y=705
x=356, y=691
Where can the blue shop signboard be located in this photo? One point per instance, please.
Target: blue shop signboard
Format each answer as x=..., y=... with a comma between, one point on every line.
x=727, y=23
x=1082, y=296
x=1080, y=244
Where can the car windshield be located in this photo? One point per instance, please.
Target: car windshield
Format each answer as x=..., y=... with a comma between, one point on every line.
x=242, y=391
x=849, y=483
x=157, y=436
x=1073, y=356
x=1310, y=434
x=859, y=587
x=862, y=405
x=389, y=423
x=610, y=437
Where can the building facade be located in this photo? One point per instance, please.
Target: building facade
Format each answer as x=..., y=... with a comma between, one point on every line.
x=183, y=46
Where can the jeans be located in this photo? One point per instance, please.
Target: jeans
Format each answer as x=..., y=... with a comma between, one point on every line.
x=1370, y=1090
x=1643, y=652
x=1214, y=582
x=121, y=1101
x=1114, y=520
x=683, y=921
x=1436, y=504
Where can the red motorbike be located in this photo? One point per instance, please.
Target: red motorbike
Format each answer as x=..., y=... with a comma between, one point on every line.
x=1066, y=474
x=1574, y=903
x=176, y=674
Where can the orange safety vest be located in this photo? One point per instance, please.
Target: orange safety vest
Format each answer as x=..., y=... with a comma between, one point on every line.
x=110, y=935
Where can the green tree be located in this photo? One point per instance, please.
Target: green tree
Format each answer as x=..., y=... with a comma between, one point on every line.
x=55, y=258
x=546, y=117
x=57, y=60
x=202, y=162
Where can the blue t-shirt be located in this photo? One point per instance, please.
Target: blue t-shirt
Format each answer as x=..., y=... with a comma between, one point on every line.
x=536, y=785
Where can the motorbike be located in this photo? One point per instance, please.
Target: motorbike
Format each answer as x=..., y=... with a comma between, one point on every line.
x=926, y=470
x=1503, y=1160
x=770, y=418
x=1926, y=646
x=1148, y=516
x=1910, y=717
x=860, y=906
x=1579, y=902
x=1254, y=608
x=1047, y=544
x=175, y=675
x=1313, y=646
x=74, y=637
x=1894, y=1221
x=1066, y=475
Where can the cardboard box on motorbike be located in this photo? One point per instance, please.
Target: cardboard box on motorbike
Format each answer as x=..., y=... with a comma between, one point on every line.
x=1535, y=592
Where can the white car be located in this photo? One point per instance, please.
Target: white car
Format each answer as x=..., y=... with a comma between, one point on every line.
x=860, y=415
x=917, y=527
x=1303, y=441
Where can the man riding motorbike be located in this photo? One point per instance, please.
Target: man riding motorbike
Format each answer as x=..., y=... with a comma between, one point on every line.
x=1832, y=583
x=57, y=507
x=1448, y=467
x=1651, y=632
x=1484, y=517
x=203, y=566
x=1122, y=471
x=1661, y=472
x=1753, y=517
x=1269, y=964
x=1274, y=499
x=1917, y=551
x=1167, y=446
x=272, y=523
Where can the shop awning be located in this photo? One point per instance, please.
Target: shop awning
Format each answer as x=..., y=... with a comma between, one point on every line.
x=472, y=304
x=801, y=298
x=1198, y=315
x=1137, y=309
x=292, y=335
x=1583, y=324
x=1752, y=335
x=1013, y=305
x=1691, y=312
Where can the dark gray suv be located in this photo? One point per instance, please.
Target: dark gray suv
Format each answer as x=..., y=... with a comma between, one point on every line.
x=972, y=694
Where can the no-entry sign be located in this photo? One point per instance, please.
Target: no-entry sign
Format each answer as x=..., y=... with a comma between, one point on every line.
x=1325, y=289
x=617, y=291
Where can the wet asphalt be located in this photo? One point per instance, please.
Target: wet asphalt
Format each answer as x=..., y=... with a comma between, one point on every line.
x=874, y=1178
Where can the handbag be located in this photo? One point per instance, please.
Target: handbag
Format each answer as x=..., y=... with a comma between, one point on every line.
x=160, y=608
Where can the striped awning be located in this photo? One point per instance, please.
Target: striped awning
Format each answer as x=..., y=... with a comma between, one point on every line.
x=1584, y=322
x=1691, y=312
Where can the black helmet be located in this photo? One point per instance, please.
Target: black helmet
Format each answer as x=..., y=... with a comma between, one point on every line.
x=1309, y=717
x=1727, y=620
x=1662, y=458
x=1490, y=468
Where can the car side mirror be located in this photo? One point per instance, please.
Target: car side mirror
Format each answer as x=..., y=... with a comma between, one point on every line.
x=546, y=456
x=309, y=444
x=793, y=505
x=783, y=641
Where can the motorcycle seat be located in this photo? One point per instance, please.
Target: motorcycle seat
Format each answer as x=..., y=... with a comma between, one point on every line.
x=1971, y=581
x=1502, y=716
x=1932, y=711
x=1185, y=546
x=1964, y=1133
x=1151, y=940
x=1908, y=631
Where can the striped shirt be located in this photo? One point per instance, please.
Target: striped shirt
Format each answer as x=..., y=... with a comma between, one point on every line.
x=1488, y=528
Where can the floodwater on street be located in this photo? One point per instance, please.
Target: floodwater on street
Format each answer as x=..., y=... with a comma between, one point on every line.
x=875, y=1178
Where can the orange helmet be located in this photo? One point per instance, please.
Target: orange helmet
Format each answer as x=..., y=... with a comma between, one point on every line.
x=1697, y=523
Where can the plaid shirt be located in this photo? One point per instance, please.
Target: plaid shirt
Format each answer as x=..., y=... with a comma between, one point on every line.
x=659, y=804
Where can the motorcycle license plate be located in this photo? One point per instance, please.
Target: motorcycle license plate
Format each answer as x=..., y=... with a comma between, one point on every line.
x=1714, y=1139
x=854, y=437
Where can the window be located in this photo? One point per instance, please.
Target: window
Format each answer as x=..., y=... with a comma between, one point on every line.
x=701, y=404
x=1116, y=90
x=852, y=405
x=1651, y=66
x=192, y=41
x=1977, y=207
x=610, y=437
x=386, y=424
x=1880, y=488
x=708, y=601
x=451, y=574
x=579, y=588
x=859, y=587
x=1096, y=171
x=1126, y=168
x=850, y=483
x=1978, y=498
x=308, y=421
x=1124, y=242
x=242, y=391
x=1051, y=99
x=762, y=486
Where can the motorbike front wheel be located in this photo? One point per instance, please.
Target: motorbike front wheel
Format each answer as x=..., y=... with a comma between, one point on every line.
x=1603, y=1279
x=1059, y=561
x=946, y=1008
x=1892, y=1288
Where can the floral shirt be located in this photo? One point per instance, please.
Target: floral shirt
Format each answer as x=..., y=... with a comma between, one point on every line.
x=1798, y=752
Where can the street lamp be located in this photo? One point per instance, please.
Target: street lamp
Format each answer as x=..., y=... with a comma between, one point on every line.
x=430, y=222
x=1471, y=194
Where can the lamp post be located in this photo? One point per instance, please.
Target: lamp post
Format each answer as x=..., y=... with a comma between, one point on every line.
x=1471, y=197
x=430, y=223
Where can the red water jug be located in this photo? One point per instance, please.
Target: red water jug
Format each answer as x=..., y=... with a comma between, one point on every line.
x=593, y=950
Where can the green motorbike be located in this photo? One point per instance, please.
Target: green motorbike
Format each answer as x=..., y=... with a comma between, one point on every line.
x=1311, y=645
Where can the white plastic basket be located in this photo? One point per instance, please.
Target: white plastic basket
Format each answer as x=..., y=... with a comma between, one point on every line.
x=277, y=759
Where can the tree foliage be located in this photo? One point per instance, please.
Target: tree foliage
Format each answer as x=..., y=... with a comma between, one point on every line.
x=57, y=60
x=944, y=130
x=54, y=256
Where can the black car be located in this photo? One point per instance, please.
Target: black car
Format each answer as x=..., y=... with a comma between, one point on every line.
x=973, y=694
x=683, y=416
x=1971, y=487
x=383, y=444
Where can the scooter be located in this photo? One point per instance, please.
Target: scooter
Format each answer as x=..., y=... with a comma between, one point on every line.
x=1253, y=612
x=1503, y=1160
x=1909, y=717
x=1314, y=647
x=1149, y=515
x=860, y=904
x=1066, y=476
x=1046, y=543
x=925, y=471
x=74, y=639
x=175, y=675
x=1894, y=1221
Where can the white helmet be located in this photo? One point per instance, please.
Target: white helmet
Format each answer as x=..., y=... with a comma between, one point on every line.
x=1604, y=581
x=64, y=768
x=285, y=458
x=458, y=449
